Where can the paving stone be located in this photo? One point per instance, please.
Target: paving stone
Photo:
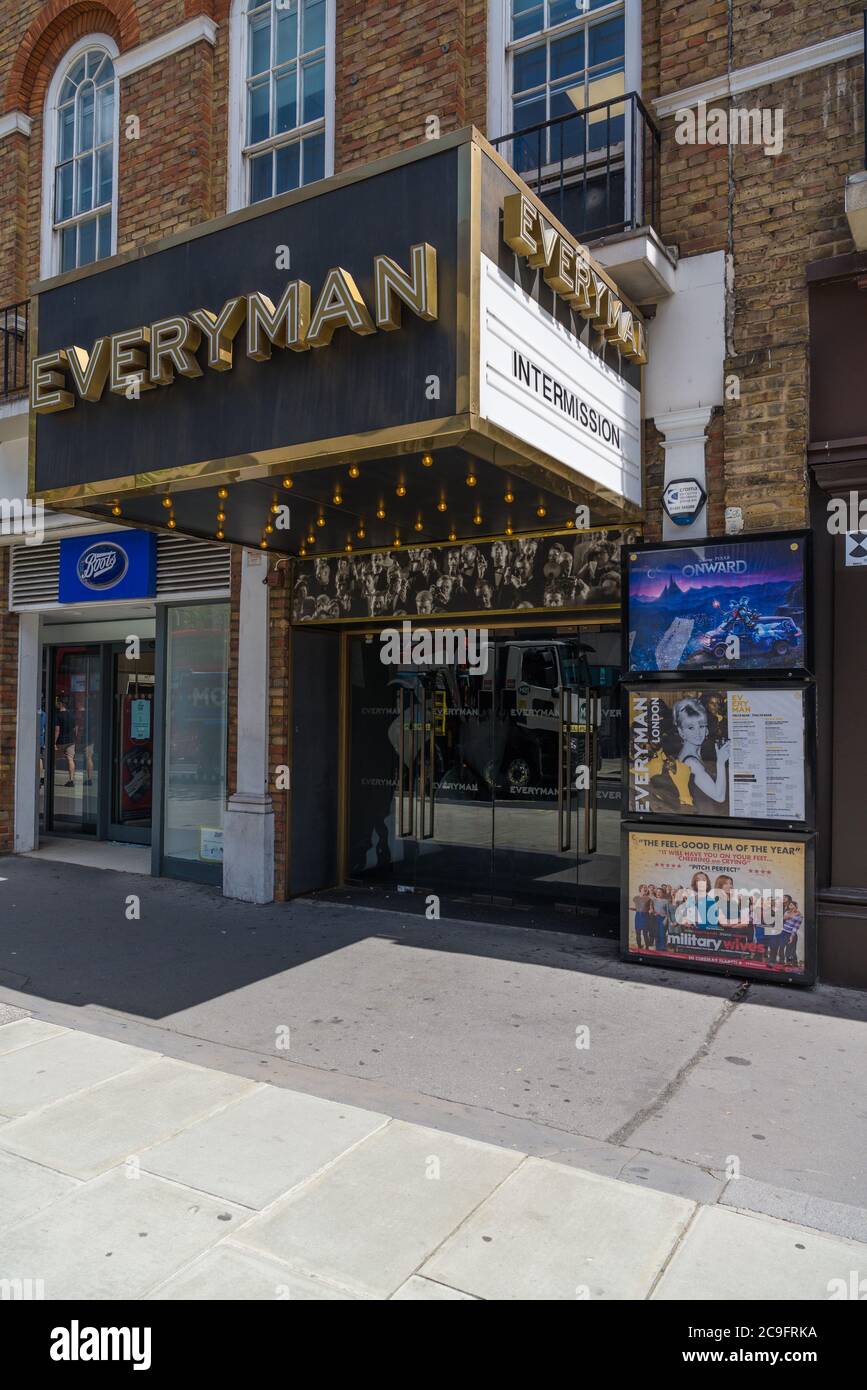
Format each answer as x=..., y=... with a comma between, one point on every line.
x=262, y=1145
x=417, y=1290
x=371, y=1219
x=37, y=1075
x=104, y=1126
x=25, y=1188
x=116, y=1237
x=232, y=1275
x=737, y=1255
x=552, y=1232
x=25, y=1031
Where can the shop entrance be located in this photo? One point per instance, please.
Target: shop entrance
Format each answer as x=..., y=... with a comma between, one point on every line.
x=96, y=741
x=502, y=781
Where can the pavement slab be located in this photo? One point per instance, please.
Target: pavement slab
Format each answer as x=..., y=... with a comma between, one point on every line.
x=372, y=1218
x=554, y=1233
x=232, y=1275
x=116, y=1237
x=21, y=1032
x=418, y=1290
x=753, y=1098
x=101, y=1127
x=736, y=1255
x=262, y=1145
x=59, y=1066
x=25, y=1188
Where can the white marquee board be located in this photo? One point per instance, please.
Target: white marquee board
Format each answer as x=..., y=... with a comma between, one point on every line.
x=540, y=382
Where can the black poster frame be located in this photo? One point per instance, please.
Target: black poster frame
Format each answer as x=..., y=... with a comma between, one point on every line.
x=805, y=687
x=771, y=673
x=729, y=969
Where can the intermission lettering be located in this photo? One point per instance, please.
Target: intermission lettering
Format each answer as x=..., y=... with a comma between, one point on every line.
x=150, y=355
x=528, y=374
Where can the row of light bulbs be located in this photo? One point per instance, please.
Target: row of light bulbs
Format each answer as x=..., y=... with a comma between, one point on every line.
x=337, y=499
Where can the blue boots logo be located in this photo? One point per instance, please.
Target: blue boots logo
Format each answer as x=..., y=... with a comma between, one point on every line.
x=102, y=566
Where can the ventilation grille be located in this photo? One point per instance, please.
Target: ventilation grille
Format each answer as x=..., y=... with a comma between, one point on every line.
x=35, y=574
x=186, y=566
x=183, y=567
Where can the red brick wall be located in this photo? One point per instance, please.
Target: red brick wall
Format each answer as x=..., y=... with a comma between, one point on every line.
x=397, y=65
x=166, y=175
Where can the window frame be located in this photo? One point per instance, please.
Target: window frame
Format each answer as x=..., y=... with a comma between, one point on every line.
x=238, y=164
x=501, y=49
x=50, y=235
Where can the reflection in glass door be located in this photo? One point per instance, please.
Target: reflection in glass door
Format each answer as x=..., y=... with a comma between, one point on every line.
x=73, y=732
x=420, y=766
x=132, y=683
x=447, y=761
x=502, y=783
x=541, y=686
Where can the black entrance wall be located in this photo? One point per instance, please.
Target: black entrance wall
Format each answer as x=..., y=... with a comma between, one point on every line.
x=315, y=761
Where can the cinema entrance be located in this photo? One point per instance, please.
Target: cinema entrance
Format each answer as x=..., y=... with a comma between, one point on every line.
x=498, y=779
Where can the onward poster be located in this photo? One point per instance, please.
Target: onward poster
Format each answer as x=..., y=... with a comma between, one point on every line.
x=735, y=605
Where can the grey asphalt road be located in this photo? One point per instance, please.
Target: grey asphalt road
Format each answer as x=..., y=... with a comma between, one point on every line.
x=537, y=1038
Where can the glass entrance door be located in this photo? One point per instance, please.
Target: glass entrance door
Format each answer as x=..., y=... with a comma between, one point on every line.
x=544, y=804
x=96, y=741
x=447, y=751
x=502, y=783
x=73, y=740
x=420, y=752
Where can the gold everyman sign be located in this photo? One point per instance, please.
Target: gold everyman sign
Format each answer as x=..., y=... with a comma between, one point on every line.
x=569, y=271
x=141, y=358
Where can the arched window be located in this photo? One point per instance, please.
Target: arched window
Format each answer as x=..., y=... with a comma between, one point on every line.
x=81, y=158
x=282, y=84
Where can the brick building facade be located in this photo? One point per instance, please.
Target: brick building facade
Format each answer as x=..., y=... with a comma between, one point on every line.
x=395, y=75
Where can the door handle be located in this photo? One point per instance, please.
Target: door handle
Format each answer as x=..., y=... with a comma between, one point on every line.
x=427, y=759
x=404, y=802
x=564, y=775
x=589, y=745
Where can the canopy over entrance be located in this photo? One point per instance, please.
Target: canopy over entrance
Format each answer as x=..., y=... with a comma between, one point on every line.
x=413, y=351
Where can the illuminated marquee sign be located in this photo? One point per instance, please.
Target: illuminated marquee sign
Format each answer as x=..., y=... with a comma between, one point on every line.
x=570, y=273
x=139, y=359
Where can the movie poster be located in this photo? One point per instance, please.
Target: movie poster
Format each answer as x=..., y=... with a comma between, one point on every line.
x=736, y=605
x=718, y=901
x=705, y=750
x=530, y=573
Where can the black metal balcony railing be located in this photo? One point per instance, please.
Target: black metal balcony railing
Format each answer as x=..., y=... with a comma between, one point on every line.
x=597, y=169
x=14, y=325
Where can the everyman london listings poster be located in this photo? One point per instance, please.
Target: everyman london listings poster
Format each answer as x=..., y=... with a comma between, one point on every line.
x=713, y=751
